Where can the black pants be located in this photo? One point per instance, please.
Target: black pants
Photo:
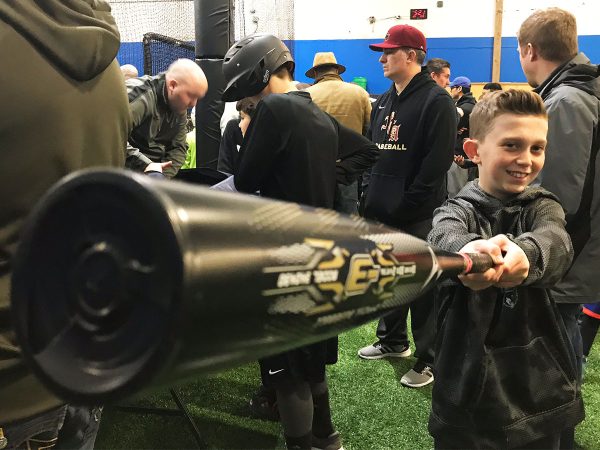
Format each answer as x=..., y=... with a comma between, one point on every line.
x=392, y=328
x=570, y=313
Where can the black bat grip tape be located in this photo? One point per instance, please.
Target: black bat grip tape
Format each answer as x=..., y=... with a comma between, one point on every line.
x=477, y=262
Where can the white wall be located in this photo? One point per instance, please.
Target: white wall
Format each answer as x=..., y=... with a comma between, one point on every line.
x=348, y=19
x=587, y=13
x=345, y=19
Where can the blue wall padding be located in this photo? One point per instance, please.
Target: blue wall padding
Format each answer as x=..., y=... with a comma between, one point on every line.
x=470, y=57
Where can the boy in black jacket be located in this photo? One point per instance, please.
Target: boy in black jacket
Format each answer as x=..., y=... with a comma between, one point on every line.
x=505, y=373
x=293, y=151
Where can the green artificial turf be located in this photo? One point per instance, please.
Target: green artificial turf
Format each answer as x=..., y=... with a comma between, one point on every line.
x=370, y=408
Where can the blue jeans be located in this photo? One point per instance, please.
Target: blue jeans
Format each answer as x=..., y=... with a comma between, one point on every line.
x=66, y=427
x=37, y=431
x=80, y=428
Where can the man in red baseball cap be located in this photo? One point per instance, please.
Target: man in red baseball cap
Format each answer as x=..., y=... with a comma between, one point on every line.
x=402, y=36
x=414, y=126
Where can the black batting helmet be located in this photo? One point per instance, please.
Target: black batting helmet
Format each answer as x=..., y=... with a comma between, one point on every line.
x=249, y=64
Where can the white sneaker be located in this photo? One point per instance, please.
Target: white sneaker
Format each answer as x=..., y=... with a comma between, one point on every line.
x=379, y=351
x=420, y=375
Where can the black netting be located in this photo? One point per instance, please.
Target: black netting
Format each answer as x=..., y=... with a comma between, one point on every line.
x=160, y=51
x=135, y=18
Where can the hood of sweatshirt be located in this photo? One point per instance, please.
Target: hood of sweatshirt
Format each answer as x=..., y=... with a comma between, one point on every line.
x=79, y=36
x=466, y=98
x=578, y=72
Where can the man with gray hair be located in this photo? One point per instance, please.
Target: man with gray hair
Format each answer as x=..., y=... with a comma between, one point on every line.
x=158, y=107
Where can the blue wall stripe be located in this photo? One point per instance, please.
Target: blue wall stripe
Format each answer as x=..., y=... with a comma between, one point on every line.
x=470, y=57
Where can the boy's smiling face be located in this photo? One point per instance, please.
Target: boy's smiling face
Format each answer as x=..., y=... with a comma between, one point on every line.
x=511, y=155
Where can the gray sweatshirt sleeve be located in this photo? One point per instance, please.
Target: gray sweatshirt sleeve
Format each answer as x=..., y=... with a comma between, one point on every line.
x=547, y=244
x=451, y=225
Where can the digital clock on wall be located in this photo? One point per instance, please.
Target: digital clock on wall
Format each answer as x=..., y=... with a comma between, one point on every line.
x=418, y=14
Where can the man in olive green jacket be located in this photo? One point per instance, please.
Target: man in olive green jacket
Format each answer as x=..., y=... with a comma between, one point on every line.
x=64, y=108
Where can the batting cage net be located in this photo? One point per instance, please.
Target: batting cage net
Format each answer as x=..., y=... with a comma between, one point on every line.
x=160, y=51
x=173, y=19
x=171, y=25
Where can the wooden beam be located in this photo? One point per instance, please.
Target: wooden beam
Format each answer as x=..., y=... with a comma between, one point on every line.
x=497, y=54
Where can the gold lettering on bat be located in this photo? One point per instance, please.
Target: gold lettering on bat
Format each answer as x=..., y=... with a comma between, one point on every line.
x=361, y=274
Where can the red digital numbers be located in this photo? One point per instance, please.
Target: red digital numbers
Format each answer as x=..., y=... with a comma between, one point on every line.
x=418, y=14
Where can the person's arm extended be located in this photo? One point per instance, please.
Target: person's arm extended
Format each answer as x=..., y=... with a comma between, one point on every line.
x=228, y=147
x=177, y=150
x=547, y=245
x=356, y=154
x=451, y=225
x=369, y=135
x=258, y=151
x=440, y=123
x=136, y=160
x=139, y=110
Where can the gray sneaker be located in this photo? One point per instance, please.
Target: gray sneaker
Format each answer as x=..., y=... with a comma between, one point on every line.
x=379, y=350
x=420, y=375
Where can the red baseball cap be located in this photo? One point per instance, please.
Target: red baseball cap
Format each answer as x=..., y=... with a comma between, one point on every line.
x=402, y=36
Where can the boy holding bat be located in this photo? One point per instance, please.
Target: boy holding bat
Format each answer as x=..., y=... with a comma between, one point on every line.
x=505, y=373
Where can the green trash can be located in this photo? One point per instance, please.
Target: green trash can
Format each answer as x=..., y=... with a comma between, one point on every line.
x=361, y=81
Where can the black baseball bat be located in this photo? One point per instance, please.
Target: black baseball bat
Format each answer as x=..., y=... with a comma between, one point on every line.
x=121, y=281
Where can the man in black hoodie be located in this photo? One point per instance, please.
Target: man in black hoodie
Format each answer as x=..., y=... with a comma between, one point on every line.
x=414, y=126
x=570, y=88
x=64, y=108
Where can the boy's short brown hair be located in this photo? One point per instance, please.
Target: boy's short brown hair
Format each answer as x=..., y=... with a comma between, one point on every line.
x=512, y=101
x=553, y=32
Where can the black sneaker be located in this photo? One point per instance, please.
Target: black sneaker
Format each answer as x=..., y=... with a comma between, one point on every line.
x=263, y=404
x=331, y=442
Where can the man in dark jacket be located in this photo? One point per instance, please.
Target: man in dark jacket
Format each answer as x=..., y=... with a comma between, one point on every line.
x=458, y=175
x=158, y=107
x=64, y=108
x=414, y=126
x=570, y=87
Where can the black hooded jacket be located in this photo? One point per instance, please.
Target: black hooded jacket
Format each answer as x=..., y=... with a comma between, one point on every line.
x=415, y=132
x=505, y=371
